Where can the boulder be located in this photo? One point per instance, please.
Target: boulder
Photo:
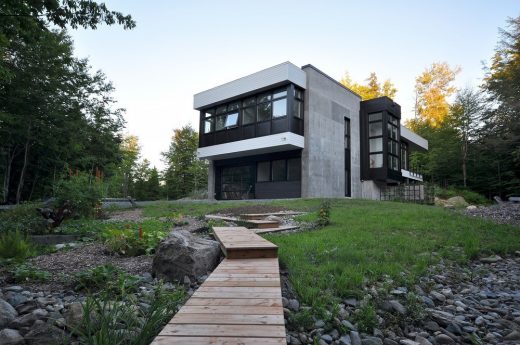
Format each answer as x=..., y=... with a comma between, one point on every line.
x=11, y=337
x=74, y=316
x=183, y=254
x=456, y=201
x=7, y=313
x=45, y=334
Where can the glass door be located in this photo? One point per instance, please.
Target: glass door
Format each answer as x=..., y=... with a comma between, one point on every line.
x=237, y=183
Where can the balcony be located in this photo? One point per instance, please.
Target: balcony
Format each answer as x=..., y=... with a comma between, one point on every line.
x=412, y=175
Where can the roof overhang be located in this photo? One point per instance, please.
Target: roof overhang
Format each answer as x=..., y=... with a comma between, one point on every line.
x=270, y=143
x=414, y=139
x=272, y=76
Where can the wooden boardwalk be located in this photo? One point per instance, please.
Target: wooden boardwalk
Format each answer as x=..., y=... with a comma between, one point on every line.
x=239, y=303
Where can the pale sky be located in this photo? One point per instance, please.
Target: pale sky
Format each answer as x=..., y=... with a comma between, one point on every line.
x=180, y=48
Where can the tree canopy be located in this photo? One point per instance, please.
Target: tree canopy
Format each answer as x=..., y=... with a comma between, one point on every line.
x=372, y=89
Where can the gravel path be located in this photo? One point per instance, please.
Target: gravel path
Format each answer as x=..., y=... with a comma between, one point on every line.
x=505, y=213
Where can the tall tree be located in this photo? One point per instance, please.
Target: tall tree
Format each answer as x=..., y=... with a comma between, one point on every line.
x=130, y=152
x=184, y=171
x=372, y=89
x=433, y=88
x=466, y=115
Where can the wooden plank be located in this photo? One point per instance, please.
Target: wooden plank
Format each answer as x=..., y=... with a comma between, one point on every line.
x=237, y=295
x=247, y=275
x=252, y=253
x=256, y=331
x=169, y=340
x=224, y=218
x=258, y=302
x=238, y=289
x=271, y=230
x=228, y=319
x=242, y=283
x=225, y=309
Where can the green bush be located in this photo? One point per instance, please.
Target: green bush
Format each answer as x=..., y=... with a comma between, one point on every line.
x=83, y=193
x=468, y=195
x=28, y=273
x=366, y=317
x=14, y=245
x=109, y=321
x=107, y=278
x=132, y=242
x=24, y=218
x=324, y=213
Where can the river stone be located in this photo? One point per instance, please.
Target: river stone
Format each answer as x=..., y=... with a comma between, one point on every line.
x=515, y=335
x=443, y=339
x=327, y=338
x=45, y=334
x=372, y=341
x=354, y=337
x=345, y=340
x=408, y=342
x=184, y=254
x=7, y=313
x=74, y=315
x=15, y=298
x=11, y=337
x=422, y=340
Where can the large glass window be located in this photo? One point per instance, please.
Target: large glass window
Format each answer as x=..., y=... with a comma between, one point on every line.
x=220, y=122
x=279, y=170
x=297, y=108
x=280, y=107
x=393, y=143
x=376, y=144
x=404, y=156
x=376, y=160
x=375, y=129
x=208, y=125
x=248, y=115
x=264, y=112
x=375, y=140
x=263, y=171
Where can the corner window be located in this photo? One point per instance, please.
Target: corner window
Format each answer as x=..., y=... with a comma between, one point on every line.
x=375, y=129
x=376, y=145
x=376, y=160
x=280, y=107
x=208, y=125
x=297, y=109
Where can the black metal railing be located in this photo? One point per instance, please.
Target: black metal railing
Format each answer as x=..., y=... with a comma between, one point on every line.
x=419, y=193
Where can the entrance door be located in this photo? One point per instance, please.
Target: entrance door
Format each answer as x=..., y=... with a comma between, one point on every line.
x=237, y=183
x=347, y=159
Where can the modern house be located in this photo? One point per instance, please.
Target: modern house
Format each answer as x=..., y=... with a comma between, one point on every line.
x=288, y=132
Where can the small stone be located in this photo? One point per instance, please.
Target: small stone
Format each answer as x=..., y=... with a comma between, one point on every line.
x=74, y=315
x=514, y=335
x=319, y=324
x=352, y=302
x=327, y=338
x=491, y=259
x=354, y=337
x=443, y=339
x=285, y=302
x=7, y=313
x=428, y=301
x=389, y=341
x=438, y=296
x=294, y=305
x=15, y=298
x=454, y=328
x=398, y=307
x=14, y=288
x=334, y=334
x=345, y=340
x=303, y=338
x=422, y=340
x=348, y=325
x=45, y=334
x=11, y=337
x=294, y=341
x=408, y=342
x=372, y=341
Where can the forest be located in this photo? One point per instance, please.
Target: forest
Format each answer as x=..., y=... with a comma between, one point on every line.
x=60, y=124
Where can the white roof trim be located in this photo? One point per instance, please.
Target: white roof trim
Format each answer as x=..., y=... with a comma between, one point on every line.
x=254, y=146
x=273, y=75
x=414, y=138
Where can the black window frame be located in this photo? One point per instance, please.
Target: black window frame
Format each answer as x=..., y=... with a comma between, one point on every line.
x=271, y=174
x=392, y=123
x=379, y=136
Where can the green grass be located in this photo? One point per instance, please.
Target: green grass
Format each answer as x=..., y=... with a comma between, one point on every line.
x=369, y=239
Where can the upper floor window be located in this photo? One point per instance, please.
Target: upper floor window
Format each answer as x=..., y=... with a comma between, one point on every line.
x=259, y=108
x=393, y=142
x=375, y=139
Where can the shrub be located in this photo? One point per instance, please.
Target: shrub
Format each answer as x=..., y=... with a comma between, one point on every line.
x=366, y=316
x=14, y=245
x=468, y=195
x=82, y=192
x=108, y=278
x=24, y=218
x=125, y=321
x=27, y=272
x=324, y=213
x=131, y=242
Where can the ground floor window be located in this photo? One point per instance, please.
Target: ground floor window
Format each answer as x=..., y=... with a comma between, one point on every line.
x=279, y=170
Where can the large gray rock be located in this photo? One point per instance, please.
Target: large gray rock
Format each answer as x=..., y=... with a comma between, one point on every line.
x=7, y=313
x=45, y=334
x=183, y=254
x=11, y=337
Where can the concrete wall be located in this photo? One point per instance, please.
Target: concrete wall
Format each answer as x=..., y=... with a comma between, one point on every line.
x=370, y=190
x=327, y=103
x=211, y=180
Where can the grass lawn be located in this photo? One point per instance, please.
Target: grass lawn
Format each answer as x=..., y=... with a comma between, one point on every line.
x=367, y=240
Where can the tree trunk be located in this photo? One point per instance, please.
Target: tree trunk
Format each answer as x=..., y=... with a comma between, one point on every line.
x=464, y=161
x=24, y=167
x=7, y=178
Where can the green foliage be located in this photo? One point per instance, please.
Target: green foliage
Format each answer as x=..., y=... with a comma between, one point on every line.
x=133, y=242
x=368, y=240
x=107, y=278
x=23, y=218
x=14, y=245
x=81, y=191
x=372, y=89
x=366, y=316
x=103, y=316
x=184, y=172
x=24, y=273
x=468, y=195
x=324, y=214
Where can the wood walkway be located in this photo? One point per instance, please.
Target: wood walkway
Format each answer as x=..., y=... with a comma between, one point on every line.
x=239, y=303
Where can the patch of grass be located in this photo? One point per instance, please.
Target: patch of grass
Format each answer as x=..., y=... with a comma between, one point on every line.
x=366, y=317
x=109, y=320
x=134, y=241
x=27, y=273
x=14, y=245
x=369, y=239
x=23, y=218
x=107, y=278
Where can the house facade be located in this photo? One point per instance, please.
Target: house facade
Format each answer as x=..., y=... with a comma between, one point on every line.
x=289, y=132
